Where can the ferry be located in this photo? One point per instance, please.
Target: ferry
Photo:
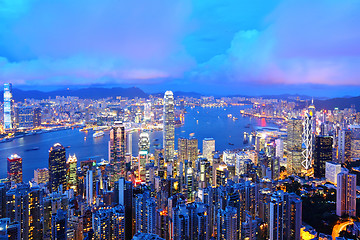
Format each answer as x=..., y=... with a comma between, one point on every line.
x=98, y=134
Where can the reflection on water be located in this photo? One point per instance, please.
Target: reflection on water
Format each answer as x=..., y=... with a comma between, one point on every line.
x=199, y=122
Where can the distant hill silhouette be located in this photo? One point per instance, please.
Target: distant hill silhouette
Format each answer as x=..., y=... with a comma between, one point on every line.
x=132, y=92
x=91, y=93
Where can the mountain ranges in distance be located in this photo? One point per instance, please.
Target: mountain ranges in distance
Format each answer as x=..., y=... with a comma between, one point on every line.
x=132, y=92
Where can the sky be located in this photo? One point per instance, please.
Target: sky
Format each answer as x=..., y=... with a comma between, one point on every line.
x=208, y=46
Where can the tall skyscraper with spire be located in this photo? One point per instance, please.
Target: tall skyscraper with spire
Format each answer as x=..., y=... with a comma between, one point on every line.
x=7, y=106
x=169, y=126
x=117, y=151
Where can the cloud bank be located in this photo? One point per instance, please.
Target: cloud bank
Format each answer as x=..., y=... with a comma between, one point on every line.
x=181, y=42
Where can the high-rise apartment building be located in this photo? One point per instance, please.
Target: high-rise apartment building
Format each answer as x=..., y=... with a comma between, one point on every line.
x=14, y=168
x=24, y=205
x=346, y=194
x=285, y=216
x=344, y=146
x=169, y=126
x=57, y=167
x=8, y=125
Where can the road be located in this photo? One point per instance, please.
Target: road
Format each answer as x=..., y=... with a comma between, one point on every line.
x=340, y=227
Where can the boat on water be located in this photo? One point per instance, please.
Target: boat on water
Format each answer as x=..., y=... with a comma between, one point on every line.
x=98, y=134
x=235, y=118
x=231, y=144
x=32, y=149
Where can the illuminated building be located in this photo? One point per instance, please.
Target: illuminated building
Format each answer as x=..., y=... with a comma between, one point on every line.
x=355, y=142
x=25, y=117
x=24, y=206
x=37, y=117
x=332, y=169
x=72, y=172
x=221, y=175
x=129, y=144
x=323, y=153
x=188, y=150
x=118, y=222
x=124, y=196
x=307, y=140
x=294, y=142
x=208, y=148
x=89, y=184
x=147, y=111
x=346, y=194
x=285, y=216
x=9, y=230
x=57, y=167
x=227, y=224
x=145, y=213
x=59, y=224
x=41, y=175
x=109, y=223
x=147, y=236
x=162, y=223
x=144, y=148
x=180, y=224
x=15, y=170
x=279, y=152
x=169, y=126
x=344, y=146
x=8, y=125
x=117, y=150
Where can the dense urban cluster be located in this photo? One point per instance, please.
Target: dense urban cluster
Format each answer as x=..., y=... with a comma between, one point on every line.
x=296, y=181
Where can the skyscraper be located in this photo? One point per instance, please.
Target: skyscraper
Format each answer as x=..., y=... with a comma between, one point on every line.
x=14, y=165
x=89, y=184
x=344, y=146
x=285, y=217
x=188, y=150
x=117, y=150
x=41, y=175
x=144, y=148
x=7, y=106
x=57, y=167
x=307, y=140
x=346, y=194
x=24, y=205
x=294, y=142
x=71, y=170
x=323, y=154
x=208, y=148
x=37, y=117
x=169, y=126
x=227, y=223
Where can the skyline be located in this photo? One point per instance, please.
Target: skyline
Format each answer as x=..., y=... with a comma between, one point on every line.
x=208, y=47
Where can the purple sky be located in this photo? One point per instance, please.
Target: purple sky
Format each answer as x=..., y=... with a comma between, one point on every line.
x=210, y=46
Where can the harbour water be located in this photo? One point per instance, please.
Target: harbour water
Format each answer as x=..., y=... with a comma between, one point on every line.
x=199, y=122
